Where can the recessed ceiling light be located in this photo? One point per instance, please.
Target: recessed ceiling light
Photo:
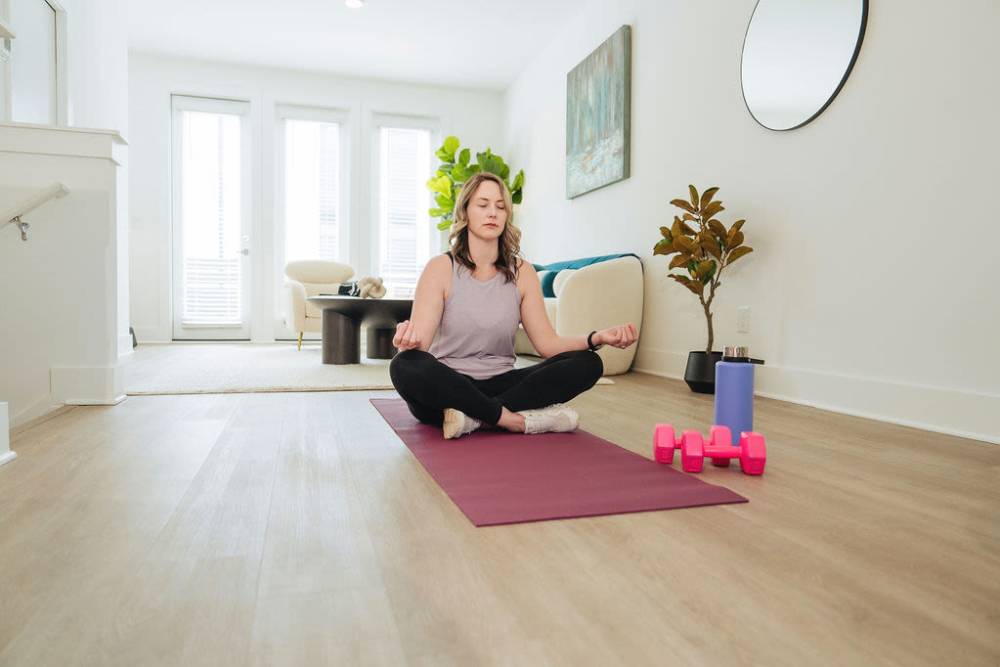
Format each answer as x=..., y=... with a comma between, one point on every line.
x=355, y=4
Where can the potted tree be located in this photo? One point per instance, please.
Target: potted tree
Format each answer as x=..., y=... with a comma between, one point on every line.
x=455, y=169
x=704, y=248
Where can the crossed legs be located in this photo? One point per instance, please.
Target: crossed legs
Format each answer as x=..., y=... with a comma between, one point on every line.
x=429, y=386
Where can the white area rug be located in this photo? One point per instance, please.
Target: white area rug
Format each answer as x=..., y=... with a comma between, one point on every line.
x=219, y=368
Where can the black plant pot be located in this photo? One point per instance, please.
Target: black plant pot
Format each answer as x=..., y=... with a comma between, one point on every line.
x=700, y=371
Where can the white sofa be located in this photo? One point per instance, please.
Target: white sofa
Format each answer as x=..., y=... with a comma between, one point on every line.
x=305, y=278
x=596, y=296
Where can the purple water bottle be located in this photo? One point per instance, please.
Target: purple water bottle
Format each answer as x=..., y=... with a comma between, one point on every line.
x=734, y=390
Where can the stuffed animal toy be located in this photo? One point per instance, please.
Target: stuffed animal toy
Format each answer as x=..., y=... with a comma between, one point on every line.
x=371, y=287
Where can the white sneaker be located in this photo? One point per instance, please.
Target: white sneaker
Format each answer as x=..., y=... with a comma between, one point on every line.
x=553, y=418
x=458, y=423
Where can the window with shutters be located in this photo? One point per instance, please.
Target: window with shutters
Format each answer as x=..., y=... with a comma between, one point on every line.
x=405, y=230
x=312, y=187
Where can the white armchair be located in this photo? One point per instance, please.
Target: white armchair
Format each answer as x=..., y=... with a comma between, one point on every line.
x=596, y=296
x=305, y=278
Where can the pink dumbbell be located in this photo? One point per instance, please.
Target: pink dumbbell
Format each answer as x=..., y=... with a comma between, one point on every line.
x=751, y=452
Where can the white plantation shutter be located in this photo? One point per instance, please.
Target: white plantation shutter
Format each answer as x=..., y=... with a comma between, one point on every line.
x=404, y=225
x=211, y=216
x=312, y=190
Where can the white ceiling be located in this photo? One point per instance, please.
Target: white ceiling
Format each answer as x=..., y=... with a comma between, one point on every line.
x=468, y=43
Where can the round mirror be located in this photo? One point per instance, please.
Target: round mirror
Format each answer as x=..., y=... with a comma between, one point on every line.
x=797, y=55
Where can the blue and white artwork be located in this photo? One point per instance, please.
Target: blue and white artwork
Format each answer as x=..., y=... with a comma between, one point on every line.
x=597, y=116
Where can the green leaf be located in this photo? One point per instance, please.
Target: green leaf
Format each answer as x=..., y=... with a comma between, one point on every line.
x=492, y=164
x=445, y=202
x=463, y=157
x=518, y=182
x=444, y=224
x=515, y=198
x=441, y=184
x=447, y=151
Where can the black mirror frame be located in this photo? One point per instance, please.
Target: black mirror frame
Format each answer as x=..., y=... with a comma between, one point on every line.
x=836, y=91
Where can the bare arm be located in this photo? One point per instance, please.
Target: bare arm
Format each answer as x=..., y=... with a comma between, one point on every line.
x=544, y=337
x=536, y=320
x=428, y=304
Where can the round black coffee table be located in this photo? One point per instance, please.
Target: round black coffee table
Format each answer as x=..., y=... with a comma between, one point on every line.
x=343, y=317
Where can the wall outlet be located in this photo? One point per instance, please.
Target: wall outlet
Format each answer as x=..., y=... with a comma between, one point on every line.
x=743, y=319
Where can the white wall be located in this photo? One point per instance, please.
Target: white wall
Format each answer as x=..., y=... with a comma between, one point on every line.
x=64, y=320
x=97, y=45
x=94, y=68
x=473, y=116
x=59, y=325
x=873, y=281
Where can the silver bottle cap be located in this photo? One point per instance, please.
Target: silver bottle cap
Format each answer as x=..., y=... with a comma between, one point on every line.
x=736, y=351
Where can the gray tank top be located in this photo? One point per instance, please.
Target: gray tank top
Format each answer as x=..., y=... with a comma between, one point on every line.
x=478, y=325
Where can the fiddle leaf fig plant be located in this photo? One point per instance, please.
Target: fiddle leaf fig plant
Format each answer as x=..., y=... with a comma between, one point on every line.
x=455, y=169
x=704, y=248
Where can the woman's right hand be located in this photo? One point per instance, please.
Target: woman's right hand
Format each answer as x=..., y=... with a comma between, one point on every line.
x=406, y=337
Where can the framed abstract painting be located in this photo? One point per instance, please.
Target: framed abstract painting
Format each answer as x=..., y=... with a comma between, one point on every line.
x=598, y=106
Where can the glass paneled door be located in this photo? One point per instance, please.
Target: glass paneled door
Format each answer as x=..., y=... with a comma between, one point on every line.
x=211, y=219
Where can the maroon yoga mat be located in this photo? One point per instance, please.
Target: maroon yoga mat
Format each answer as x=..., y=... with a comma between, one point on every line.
x=496, y=477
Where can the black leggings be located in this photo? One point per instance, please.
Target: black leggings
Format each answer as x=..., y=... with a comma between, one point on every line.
x=428, y=386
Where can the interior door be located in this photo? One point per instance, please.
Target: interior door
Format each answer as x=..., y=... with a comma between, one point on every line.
x=211, y=219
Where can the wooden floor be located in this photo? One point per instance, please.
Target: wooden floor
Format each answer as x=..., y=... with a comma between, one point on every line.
x=296, y=529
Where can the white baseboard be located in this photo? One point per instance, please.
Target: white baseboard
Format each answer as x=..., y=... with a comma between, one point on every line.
x=957, y=412
x=151, y=335
x=36, y=411
x=115, y=400
x=100, y=385
x=6, y=456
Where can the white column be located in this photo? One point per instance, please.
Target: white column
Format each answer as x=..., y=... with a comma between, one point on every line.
x=5, y=453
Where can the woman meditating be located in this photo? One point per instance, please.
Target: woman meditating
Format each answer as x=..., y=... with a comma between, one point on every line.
x=473, y=298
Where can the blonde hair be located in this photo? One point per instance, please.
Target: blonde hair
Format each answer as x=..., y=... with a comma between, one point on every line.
x=509, y=242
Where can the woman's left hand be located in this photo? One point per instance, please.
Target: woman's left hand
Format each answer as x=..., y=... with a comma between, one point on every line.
x=621, y=336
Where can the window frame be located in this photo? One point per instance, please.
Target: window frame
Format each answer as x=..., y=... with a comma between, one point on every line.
x=377, y=121
x=243, y=109
x=342, y=117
